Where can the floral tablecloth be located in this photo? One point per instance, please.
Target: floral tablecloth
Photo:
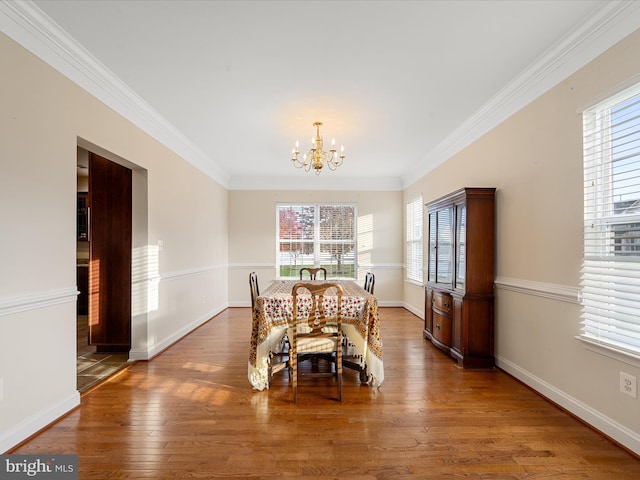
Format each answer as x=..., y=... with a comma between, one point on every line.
x=272, y=315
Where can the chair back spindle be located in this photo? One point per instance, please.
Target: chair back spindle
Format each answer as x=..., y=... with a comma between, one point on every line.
x=253, y=287
x=313, y=272
x=369, y=282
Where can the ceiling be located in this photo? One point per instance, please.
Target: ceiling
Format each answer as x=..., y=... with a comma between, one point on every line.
x=396, y=82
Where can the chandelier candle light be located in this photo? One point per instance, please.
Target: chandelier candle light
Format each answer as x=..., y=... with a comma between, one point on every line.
x=317, y=157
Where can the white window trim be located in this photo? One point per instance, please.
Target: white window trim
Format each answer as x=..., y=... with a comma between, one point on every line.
x=608, y=351
x=413, y=208
x=316, y=240
x=599, y=212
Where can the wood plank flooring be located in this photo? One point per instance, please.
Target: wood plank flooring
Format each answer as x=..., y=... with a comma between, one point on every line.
x=191, y=413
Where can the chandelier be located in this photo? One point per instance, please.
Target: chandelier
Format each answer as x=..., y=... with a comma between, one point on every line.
x=316, y=158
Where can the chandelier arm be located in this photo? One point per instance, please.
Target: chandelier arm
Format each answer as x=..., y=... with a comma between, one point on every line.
x=317, y=157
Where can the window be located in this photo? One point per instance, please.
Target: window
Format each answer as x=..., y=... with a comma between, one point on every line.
x=317, y=236
x=611, y=267
x=414, y=240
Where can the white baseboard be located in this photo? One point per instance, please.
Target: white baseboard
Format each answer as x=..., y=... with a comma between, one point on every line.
x=37, y=422
x=149, y=353
x=244, y=303
x=597, y=420
x=417, y=312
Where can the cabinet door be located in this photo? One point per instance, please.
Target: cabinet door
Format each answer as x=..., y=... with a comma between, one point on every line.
x=431, y=272
x=461, y=246
x=456, y=328
x=428, y=311
x=444, y=253
x=442, y=329
x=441, y=248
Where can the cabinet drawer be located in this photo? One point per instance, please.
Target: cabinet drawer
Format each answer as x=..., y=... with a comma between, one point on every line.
x=443, y=303
x=442, y=328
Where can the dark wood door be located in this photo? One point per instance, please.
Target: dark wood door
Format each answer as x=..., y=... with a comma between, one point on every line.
x=110, y=255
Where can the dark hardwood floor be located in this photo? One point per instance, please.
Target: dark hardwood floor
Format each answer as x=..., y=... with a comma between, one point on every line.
x=191, y=413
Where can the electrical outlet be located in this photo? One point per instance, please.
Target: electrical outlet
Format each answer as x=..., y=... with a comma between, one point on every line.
x=628, y=384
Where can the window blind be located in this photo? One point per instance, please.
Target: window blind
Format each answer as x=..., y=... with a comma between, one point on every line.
x=337, y=239
x=316, y=236
x=611, y=267
x=414, y=248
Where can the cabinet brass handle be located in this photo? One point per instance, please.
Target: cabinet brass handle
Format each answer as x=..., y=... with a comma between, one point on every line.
x=437, y=326
x=446, y=305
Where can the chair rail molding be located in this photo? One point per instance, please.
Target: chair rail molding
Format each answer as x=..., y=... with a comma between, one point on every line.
x=251, y=266
x=32, y=301
x=361, y=266
x=191, y=272
x=553, y=291
x=381, y=266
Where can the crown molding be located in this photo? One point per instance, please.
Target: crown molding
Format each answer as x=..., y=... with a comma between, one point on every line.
x=30, y=27
x=609, y=25
x=26, y=24
x=310, y=181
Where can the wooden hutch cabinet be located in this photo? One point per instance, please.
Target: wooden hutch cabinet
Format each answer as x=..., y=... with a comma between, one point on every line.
x=460, y=276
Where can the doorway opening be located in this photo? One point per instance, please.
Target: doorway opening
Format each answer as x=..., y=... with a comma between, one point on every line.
x=94, y=367
x=104, y=314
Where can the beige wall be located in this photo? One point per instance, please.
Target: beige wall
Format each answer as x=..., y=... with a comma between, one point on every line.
x=44, y=118
x=534, y=159
x=252, y=234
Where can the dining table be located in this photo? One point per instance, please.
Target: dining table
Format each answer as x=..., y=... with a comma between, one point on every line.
x=272, y=316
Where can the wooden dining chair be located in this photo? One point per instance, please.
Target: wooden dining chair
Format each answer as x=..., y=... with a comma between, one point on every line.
x=369, y=282
x=311, y=336
x=253, y=286
x=313, y=272
x=278, y=359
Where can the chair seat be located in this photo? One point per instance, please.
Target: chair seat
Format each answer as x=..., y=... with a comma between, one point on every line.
x=307, y=329
x=316, y=345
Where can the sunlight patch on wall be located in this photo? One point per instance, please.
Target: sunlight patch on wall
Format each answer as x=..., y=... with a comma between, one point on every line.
x=365, y=243
x=145, y=279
